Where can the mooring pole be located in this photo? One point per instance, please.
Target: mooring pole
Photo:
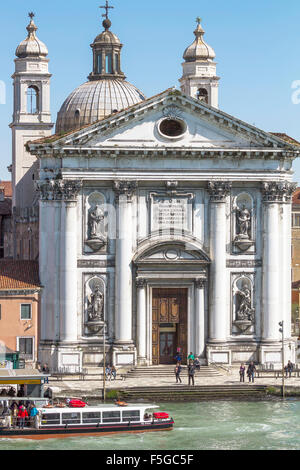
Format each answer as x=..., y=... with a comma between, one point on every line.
x=281, y=329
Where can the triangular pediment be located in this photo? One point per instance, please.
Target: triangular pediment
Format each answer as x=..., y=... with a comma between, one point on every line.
x=139, y=129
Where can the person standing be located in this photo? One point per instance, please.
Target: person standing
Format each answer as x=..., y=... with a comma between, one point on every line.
x=191, y=357
x=114, y=372
x=6, y=415
x=289, y=369
x=33, y=413
x=250, y=371
x=191, y=373
x=197, y=364
x=21, y=416
x=242, y=373
x=177, y=372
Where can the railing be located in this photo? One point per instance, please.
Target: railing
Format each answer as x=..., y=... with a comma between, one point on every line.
x=216, y=365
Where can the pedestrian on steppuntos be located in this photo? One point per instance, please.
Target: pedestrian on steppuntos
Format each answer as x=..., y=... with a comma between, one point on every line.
x=242, y=372
x=177, y=372
x=191, y=372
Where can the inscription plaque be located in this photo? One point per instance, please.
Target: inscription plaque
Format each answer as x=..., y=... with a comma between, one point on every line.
x=171, y=212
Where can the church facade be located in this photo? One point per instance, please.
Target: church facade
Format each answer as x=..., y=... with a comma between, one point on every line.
x=164, y=223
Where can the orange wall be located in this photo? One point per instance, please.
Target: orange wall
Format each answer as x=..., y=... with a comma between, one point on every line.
x=11, y=325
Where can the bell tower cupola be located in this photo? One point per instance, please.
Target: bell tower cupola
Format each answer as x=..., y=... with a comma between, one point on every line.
x=31, y=113
x=199, y=78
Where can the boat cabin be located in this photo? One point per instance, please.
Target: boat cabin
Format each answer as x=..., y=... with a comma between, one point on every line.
x=106, y=414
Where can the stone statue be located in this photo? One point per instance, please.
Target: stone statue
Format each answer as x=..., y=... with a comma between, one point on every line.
x=96, y=304
x=244, y=222
x=96, y=216
x=244, y=310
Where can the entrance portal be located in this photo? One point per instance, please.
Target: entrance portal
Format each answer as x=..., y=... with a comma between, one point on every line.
x=169, y=325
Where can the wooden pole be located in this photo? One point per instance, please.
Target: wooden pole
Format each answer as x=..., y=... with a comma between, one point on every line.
x=104, y=365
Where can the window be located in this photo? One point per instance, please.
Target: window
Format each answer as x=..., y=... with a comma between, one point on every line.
x=71, y=418
x=111, y=417
x=296, y=219
x=108, y=63
x=202, y=95
x=91, y=417
x=32, y=100
x=99, y=63
x=25, y=311
x=25, y=348
x=49, y=419
x=131, y=415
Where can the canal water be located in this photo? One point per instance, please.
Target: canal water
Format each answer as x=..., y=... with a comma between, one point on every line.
x=212, y=425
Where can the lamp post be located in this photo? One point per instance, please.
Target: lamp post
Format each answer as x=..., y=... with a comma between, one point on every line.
x=281, y=329
x=104, y=364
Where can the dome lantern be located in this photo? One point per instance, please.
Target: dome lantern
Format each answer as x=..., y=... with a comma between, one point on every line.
x=106, y=91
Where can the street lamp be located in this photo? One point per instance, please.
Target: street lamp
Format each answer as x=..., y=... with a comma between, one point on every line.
x=281, y=330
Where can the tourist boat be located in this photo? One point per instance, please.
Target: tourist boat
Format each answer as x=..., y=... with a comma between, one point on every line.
x=78, y=419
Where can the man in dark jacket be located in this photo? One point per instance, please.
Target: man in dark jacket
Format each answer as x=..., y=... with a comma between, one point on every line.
x=177, y=372
x=191, y=373
x=250, y=371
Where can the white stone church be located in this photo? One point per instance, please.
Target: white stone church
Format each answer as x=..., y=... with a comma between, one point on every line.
x=164, y=223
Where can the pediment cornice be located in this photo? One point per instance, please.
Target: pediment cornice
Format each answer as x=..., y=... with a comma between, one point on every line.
x=82, y=142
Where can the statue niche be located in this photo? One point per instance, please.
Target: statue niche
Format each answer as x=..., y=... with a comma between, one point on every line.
x=96, y=238
x=244, y=312
x=243, y=222
x=95, y=306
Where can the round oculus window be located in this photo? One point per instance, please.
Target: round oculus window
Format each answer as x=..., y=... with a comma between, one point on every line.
x=172, y=128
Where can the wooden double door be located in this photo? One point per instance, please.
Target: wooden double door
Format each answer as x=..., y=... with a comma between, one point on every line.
x=169, y=325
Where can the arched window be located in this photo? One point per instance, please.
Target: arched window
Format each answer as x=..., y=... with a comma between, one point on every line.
x=77, y=117
x=32, y=100
x=202, y=95
x=108, y=63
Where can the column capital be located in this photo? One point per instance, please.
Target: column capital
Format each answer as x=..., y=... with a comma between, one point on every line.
x=219, y=190
x=58, y=189
x=200, y=283
x=125, y=188
x=140, y=283
x=278, y=192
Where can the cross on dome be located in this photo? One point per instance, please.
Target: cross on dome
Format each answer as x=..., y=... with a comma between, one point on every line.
x=106, y=7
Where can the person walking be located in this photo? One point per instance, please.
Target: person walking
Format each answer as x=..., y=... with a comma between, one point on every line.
x=191, y=373
x=242, y=373
x=250, y=371
x=177, y=373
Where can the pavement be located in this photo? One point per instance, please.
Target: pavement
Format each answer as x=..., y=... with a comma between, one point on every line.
x=84, y=387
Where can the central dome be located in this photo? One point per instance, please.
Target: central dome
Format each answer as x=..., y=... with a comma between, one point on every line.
x=105, y=93
x=95, y=100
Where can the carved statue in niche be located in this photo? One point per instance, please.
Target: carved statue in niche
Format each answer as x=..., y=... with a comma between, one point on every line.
x=244, y=311
x=96, y=238
x=96, y=216
x=244, y=222
x=96, y=305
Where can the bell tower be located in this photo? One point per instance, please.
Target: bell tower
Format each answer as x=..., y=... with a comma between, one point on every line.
x=199, y=78
x=31, y=113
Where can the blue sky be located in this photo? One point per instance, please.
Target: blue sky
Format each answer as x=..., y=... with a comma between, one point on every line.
x=256, y=43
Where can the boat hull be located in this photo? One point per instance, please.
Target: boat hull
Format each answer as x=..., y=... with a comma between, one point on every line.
x=58, y=432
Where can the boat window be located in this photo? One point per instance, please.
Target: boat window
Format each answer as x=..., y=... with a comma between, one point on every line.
x=91, y=417
x=111, y=417
x=131, y=415
x=71, y=418
x=50, y=418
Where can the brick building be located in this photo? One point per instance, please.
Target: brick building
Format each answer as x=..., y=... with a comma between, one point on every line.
x=6, y=248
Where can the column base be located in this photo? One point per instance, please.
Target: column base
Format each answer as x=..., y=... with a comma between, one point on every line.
x=124, y=354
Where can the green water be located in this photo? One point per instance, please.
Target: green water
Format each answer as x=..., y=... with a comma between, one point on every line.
x=212, y=425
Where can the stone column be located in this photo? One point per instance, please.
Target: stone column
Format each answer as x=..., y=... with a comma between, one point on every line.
x=68, y=266
x=123, y=302
x=199, y=317
x=141, y=320
x=276, y=259
x=219, y=313
x=43, y=268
